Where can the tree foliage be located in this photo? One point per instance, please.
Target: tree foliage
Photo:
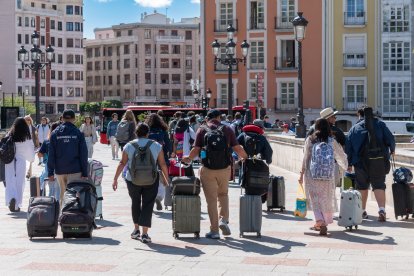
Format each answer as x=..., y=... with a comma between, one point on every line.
x=111, y=104
x=18, y=102
x=94, y=107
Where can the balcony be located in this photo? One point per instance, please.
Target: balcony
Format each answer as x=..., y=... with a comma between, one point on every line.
x=354, y=18
x=169, y=38
x=220, y=26
x=283, y=23
x=223, y=68
x=256, y=65
x=355, y=61
x=353, y=104
x=146, y=99
x=286, y=104
x=255, y=23
x=285, y=64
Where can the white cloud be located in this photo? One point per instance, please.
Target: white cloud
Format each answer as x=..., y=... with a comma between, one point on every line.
x=154, y=3
x=195, y=1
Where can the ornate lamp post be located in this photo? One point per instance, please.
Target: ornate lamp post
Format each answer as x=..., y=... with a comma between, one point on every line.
x=299, y=24
x=36, y=65
x=230, y=60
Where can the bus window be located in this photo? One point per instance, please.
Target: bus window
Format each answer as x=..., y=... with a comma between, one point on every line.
x=410, y=127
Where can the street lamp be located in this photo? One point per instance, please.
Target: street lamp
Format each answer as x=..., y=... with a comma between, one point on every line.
x=205, y=98
x=36, y=65
x=230, y=60
x=196, y=95
x=299, y=24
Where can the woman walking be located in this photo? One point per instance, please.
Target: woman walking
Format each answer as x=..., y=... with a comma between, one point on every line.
x=321, y=192
x=142, y=196
x=14, y=171
x=110, y=135
x=125, y=131
x=35, y=139
x=89, y=131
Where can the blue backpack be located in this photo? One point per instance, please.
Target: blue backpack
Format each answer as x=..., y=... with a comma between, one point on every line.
x=322, y=161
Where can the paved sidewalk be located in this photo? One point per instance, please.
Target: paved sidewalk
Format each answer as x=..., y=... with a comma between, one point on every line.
x=287, y=247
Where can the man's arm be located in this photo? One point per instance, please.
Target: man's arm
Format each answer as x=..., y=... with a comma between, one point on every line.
x=52, y=154
x=240, y=152
x=349, y=149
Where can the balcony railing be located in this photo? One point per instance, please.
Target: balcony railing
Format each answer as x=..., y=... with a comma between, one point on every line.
x=286, y=104
x=223, y=68
x=355, y=60
x=353, y=104
x=169, y=38
x=283, y=23
x=256, y=65
x=285, y=63
x=146, y=98
x=220, y=26
x=354, y=18
x=255, y=24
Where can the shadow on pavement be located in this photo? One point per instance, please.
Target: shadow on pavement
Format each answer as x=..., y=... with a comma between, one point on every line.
x=407, y=224
x=95, y=240
x=18, y=215
x=286, y=215
x=355, y=238
x=187, y=251
x=106, y=223
x=258, y=245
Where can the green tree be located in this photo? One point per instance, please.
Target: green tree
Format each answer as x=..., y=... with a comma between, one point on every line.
x=91, y=108
x=18, y=102
x=111, y=104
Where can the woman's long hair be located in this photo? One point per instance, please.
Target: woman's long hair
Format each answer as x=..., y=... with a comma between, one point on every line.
x=90, y=118
x=155, y=121
x=322, y=131
x=129, y=116
x=20, y=130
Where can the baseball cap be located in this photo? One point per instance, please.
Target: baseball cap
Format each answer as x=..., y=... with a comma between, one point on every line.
x=213, y=113
x=68, y=114
x=285, y=126
x=258, y=123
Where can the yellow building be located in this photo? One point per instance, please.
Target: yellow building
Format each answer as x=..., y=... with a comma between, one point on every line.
x=352, y=59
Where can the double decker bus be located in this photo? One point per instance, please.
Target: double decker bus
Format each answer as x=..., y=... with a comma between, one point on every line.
x=168, y=111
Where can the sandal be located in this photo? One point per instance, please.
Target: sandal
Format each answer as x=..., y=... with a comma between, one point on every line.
x=323, y=230
x=315, y=228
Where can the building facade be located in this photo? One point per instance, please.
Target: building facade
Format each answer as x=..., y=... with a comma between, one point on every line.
x=150, y=62
x=60, y=24
x=273, y=58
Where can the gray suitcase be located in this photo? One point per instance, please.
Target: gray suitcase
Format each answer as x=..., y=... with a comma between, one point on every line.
x=99, y=213
x=250, y=214
x=350, y=212
x=168, y=197
x=276, y=195
x=42, y=217
x=186, y=215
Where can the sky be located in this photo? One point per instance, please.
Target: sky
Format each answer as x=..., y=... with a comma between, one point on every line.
x=105, y=13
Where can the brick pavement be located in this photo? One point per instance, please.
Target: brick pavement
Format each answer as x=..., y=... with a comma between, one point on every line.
x=286, y=248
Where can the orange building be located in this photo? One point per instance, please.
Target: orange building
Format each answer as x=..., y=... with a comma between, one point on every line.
x=273, y=54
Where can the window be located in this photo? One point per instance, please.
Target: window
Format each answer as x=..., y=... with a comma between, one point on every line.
x=97, y=65
x=225, y=16
x=60, y=93
x=19, y=39
x=77, y=10
x=26, y=39
x=78, y=92
x=97, y=52
x=60, y=75
x=257, y=55
x=147, y=34
x=69, y=26
x=396, y=18
x=69, y=42
x=148, y=63
x=53, y=92
x=19, y=73
x=19, y=4
x=61, y=107
x=396, y=97
x=287, y=96
x=60, y=42
x=147, y=78
x=89, y=66
x=354, y=94
x=78, y=43
x=69, y=9
x=164, y=49
x=74, y=107
x=188, y=64
x=164, y=93
x=118, y=79
x=53, y=74
x=188, y=35
x=147, y=92
x=223, y=94
x=287, y=13
x=52, y=41
x=253, y=89
x=42, y=40
x=129, y=32
x=89, y=81
x=127, y=79
x=175, y=79
x=43, y=6
x=257, y=15
x=354, y=52
x=126, y=63
x=126, y=49
x=176, y=93
x=69, y=75
x=287, y=58
x=109, y=80
x=69, y=59
x=97, y=80
x=176, y=49
x=49, y=108
x=174, y=33
x=77, y=27
x=109, y=64
x=33, y=22
x=147, y=49
x=54, y=7
x=89, y=52
x=59, y=25
x=42, y=23
x=176, y=63
x=118, y=33
x=189, y=50
x=164, y=79
x=161, y=32
x=78, y=75
x=52, y=24
x=354, y=12
x=165, y=63
x=60, y=58
x=396, y=56
x=109, y=51
x=26, y=21
x=19, y=21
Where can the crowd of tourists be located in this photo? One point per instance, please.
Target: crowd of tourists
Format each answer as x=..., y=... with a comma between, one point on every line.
x=151, y=152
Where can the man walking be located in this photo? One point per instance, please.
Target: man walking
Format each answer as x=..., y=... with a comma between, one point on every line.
x=214, y=141
x=110, y=135
x=42, y=133
x=367, y=172
x=330, y=115
x=68, y=154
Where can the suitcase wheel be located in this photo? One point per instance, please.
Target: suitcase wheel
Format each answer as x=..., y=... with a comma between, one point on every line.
x=282, y=209
x=407, y=216
x=356, y=227
x=197, y=235
x=100, y=217
x=259, y=235
x=31, y=237
x=269, y=209
x=241, y=235
x=175, y=235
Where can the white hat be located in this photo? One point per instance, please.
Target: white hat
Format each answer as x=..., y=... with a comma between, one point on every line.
x=327, y=113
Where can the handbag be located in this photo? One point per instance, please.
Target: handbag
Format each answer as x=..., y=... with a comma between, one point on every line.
x=301, y=205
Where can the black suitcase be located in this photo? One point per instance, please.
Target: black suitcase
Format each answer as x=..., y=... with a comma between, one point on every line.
x=255, y=176
x=42, y=217
x=78, y=210
x=276, y=195
x=403, y=196
x=185, y=185
x=35, y=187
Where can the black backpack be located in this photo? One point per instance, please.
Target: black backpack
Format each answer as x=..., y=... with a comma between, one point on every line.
x=7, y=150
x=251, y=140
x=217, y=155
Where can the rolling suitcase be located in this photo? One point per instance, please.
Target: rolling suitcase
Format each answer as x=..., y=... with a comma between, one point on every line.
x=350, y=212
x=185, y=185
x=168, y=197
x=403, y=196
x=35, y=187
x=250, y=219
x=186, y=215
x=42, y=217
x=276, y=195
x=95, y=174
x=255, y=176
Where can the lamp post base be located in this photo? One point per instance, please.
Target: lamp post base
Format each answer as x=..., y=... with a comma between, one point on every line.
x=300, y=131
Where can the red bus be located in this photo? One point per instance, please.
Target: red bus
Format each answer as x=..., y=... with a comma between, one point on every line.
x=167, y=110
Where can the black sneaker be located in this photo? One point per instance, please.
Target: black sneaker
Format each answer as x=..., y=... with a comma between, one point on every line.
x=145, y=238
x=159, y=205
x=136, y=234
x=12, y=205
x=365, y=215
x=382, y=216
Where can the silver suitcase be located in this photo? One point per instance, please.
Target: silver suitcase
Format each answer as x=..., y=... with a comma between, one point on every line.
x=99, y=213
x=186, y=215
x=250, y=218
x=350, y=213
